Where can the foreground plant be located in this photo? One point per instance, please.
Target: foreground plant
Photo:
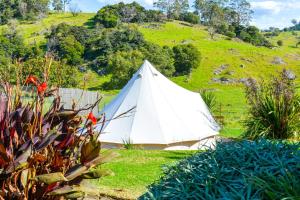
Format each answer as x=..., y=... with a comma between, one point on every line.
x=274, y=108
x=42, y=155
x=262, y=169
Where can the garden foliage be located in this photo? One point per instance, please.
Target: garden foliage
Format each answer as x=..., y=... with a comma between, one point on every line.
x=42, y=152
x=274, y=108
x=236, y=170
x=112, y=15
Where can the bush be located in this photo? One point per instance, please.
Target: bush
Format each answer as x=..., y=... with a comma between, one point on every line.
x=186, y=57
x=252, y=35
x=236, y=170
x=42, y=153
x=190, y=17
x=279, y=43
x=230, y=34
x=162, y=58
x=60, y=74
x=110, y=15
x=122, y=65
x=274, y=109
x=108, y=18
x=71, y=50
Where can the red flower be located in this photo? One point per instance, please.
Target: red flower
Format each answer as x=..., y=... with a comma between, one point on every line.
x=42, y=87
x=31, y=79
x=92, y=118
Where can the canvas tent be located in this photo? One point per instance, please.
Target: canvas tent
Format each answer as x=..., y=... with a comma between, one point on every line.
x=162, y=115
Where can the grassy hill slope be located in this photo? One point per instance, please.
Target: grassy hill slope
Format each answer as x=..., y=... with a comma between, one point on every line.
x=255, y=61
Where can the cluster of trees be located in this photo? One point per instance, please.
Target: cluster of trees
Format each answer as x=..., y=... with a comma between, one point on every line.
x=227, y=17
x=60, y=5
x=112, y=15
x=118, y=51
x=295, y=27
x=22, y=9
x=31, y=9
x=178, y=10
x=13, y=51
x=231, y=18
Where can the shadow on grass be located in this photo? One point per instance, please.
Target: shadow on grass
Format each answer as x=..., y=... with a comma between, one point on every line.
x=90, y=23
x=179, y=155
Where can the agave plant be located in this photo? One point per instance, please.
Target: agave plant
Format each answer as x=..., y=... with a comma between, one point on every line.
x=42, y=153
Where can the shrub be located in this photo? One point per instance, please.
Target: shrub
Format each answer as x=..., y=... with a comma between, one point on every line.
x=110, y=15
x=252, y=35
x=108, y=18
x=279, y=43
x=274, y=109
x=42, y=152
x=235, y=170
x=60, y=74
x=71, y=50
x=162, y=58
x=209, y=98
x=186, y=57
x=190, y=17
x=122, y=65
x=230, y=34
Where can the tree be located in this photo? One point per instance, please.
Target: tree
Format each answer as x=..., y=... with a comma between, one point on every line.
x=190, y=17
x=162, y=58
x=294, y=22
x=107, y=17
x=57, y=5
x=186, y=58
x=71, y=50
x=242, y=10
x=74, y=9
x=165, y=6
x=179, y=7
x=206, y=8
x=22, y=9
x=122, y=65
x=65, y=3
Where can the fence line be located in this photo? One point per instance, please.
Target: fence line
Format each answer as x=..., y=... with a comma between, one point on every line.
x=81, y=98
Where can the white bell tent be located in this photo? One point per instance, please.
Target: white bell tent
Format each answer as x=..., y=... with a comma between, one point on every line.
x=162, y=115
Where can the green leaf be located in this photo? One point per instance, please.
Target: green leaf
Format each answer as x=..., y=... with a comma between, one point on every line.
x=76, y=171
x=51, y=178
x=90, y=150
x=101, y=159
x=24, y=177
x=65, y=190
x=74, y=195
x=98, y=173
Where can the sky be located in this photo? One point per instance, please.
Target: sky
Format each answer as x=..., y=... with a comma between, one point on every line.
x=267, y=13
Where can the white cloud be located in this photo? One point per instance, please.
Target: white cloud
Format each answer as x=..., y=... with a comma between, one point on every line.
x=275, y=6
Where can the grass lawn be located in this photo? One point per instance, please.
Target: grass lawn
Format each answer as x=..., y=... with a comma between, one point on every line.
x=135, y=169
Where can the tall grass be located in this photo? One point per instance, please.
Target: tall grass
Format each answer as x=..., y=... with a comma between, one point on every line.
x=274, y=109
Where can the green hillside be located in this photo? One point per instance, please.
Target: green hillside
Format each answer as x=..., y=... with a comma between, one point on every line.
x=242, y=60
x=256, y=62
x=34, y=31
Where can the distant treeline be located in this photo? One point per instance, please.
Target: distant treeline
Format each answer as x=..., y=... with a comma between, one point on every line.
x=112, y=44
